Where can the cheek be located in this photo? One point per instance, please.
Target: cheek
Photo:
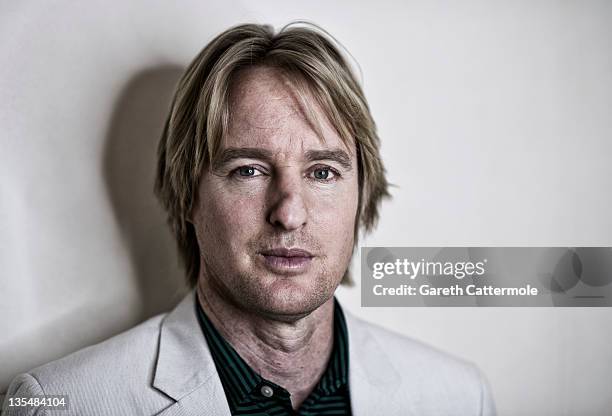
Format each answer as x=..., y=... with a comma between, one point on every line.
x=333, y=215
x=228, y=217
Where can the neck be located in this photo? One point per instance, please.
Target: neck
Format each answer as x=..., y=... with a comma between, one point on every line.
x=292, y=354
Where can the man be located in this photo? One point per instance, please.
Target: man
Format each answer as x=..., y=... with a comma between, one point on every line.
x=268, y=167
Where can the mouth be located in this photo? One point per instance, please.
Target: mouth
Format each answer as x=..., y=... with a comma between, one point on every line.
x=287, y=261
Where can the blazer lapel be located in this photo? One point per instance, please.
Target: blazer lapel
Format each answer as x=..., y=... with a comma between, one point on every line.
x=372, y=378
x=185, y=370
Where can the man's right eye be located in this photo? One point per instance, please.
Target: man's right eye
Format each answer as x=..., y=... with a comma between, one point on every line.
x=247, y=171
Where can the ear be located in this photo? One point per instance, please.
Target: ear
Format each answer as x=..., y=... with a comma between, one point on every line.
x=194, y=208
x=192, y=212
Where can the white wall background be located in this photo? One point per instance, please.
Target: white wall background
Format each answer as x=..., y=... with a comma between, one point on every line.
x=496, y=126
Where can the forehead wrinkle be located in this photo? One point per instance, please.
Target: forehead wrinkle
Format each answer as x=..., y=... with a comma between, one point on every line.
x=265, y=115
x=284, y=146
x=282, y=98
x=254, y=120
x=274, y=131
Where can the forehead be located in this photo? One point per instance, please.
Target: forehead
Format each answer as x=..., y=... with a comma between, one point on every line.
x=268, y=111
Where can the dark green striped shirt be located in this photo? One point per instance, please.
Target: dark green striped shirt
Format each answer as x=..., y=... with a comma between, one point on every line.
x=250, y=394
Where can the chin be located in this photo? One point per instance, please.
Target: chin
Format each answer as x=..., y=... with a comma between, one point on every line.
x=293, y=298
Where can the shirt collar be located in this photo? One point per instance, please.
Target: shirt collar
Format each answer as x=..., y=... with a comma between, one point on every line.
x=240, y=381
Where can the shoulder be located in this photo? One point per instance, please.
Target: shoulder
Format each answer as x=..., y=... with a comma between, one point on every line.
x=132, y=352
x=409, y=351
x=405, y=350
x=440, y=381
x=111, y=373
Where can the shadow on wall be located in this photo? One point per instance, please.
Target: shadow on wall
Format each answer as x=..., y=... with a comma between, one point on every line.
x=130, y=158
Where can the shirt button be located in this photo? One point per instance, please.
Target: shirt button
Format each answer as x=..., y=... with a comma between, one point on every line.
x=267, y=391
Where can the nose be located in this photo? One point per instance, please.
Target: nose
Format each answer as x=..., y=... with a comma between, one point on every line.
x=287, y=209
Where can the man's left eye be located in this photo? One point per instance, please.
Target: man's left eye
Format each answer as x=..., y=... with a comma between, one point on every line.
x=323, y=174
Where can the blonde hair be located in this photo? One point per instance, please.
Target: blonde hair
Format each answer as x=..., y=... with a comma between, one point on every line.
x=199, y=117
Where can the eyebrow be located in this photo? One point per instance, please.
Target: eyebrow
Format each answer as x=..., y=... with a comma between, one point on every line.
x=336, y=155
x=231, y=153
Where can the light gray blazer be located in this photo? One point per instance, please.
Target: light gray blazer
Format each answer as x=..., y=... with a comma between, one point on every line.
x=163, y=367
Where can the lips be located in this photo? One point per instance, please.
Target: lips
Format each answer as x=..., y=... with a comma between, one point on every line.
x=288, y=261
x=287, y=252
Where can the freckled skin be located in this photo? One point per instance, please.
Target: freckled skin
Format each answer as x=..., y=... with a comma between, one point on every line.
x=281, y=324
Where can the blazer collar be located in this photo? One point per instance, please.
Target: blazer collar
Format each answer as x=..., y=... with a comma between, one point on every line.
x=186, y=372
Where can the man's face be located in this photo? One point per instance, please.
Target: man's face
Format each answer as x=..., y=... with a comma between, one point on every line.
x=275, y=214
